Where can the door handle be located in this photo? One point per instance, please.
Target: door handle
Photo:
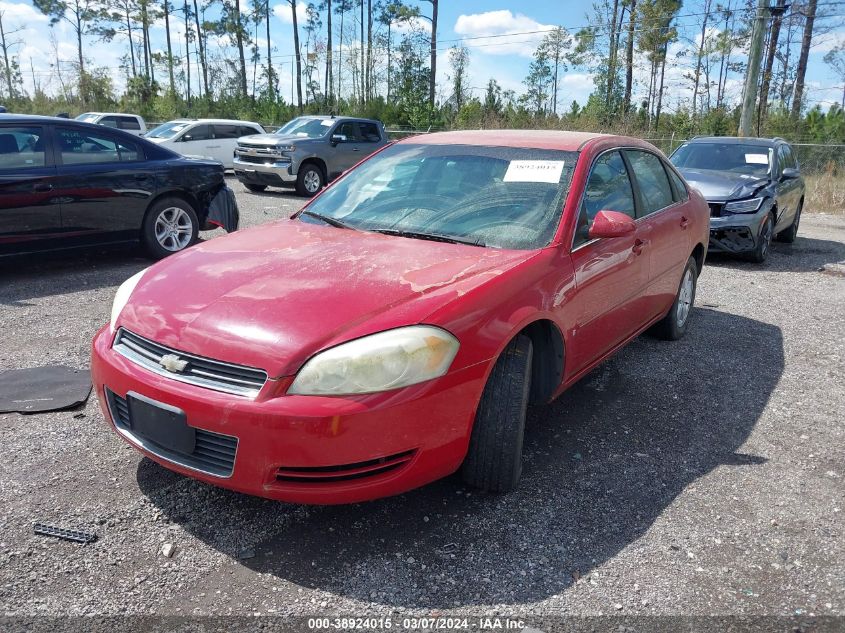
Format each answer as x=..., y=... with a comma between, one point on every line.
x=684, y=222
x=41, y=187
x=638, y=246
x=355, y=149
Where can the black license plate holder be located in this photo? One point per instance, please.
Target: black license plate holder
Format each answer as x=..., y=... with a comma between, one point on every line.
x=161, y=424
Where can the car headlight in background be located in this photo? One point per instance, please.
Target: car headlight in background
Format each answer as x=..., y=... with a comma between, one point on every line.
x=387, y=360
x=285, y=148
x=122, y=295
x=744, y=206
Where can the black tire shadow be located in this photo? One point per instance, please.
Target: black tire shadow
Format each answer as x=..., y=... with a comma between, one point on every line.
x=805, y=254
x=602, y=463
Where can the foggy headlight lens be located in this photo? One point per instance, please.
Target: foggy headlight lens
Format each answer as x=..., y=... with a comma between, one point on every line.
x=744, y=206
x=122, y=295
x=387, y=360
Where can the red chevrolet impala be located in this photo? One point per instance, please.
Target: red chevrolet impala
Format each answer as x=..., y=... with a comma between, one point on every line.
x=394, y=331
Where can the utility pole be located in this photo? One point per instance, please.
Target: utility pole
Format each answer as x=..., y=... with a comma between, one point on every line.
x=752, y=73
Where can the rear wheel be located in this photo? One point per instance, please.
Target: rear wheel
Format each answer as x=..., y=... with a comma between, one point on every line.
x=309, y=180
x=255, y=188
x=170, y=226
x=764, y=241
x=674, y=325
x=788, y=235
x=494, y=459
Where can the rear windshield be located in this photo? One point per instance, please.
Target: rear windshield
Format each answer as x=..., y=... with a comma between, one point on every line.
x=501, y=197
x=741, y=158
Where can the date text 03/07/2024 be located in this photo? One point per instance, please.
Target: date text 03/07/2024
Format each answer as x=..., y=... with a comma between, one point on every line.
x=485, y=623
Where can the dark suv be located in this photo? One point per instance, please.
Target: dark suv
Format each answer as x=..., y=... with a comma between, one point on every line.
x=753, y=187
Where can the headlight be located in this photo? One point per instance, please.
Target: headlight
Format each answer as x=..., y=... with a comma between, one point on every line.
x=387, y=360
x=744, y=206
x=122, y=295
x=285, y=148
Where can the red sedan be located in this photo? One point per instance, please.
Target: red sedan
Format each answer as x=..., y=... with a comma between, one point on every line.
x=394, y=330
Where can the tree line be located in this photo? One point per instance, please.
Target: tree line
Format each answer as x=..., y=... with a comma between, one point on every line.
x=658, y=66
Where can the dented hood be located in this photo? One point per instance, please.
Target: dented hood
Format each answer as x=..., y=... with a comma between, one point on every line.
x=272, y=296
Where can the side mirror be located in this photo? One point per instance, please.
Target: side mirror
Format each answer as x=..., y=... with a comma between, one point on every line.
x=789, y=173
x=338, y=138
x=611, y=224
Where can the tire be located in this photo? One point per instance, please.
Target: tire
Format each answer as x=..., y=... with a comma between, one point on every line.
x=255, y=188
x=170, y=226
x=788, y=235
x=764, y=241
x=674, y=325
x=309, y=180
x=494, y=458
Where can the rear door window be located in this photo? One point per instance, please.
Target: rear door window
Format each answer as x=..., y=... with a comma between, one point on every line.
x=655, y=190
x=22, y=147
x=226, y=131
x=78, y=147
x=608, y=189
x=128, y=123
x=369, y=132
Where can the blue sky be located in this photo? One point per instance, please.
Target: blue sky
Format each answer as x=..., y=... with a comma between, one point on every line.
x=505, y=58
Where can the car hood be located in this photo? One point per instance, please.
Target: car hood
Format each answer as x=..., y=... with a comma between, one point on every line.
x=272, y=296
x=271, y=140
x=721, y=185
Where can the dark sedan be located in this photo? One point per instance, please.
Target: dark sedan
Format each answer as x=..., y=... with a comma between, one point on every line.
x=66, y=184
x=753, y=187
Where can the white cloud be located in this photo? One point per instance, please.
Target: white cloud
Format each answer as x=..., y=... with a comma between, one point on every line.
x=414, y=24
x=502, y=28
x=828, y=41
x=284, y=13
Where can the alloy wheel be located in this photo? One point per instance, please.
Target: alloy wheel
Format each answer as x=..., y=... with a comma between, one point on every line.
x=173, y=229
x=312, y=181
x=685, y=298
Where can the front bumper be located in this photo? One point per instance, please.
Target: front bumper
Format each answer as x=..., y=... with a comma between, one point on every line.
x=279, y=174
x=308, y=449
x=737, y=233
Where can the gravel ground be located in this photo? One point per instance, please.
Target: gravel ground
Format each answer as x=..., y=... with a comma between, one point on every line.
x=698, y=477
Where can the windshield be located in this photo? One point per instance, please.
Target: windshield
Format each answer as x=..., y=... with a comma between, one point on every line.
x=753, y=160
x=500, y=197
x=167, y=130
x=306, y=127
x=88, y=117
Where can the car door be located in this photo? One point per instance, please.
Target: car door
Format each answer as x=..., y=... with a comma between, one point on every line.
x=347, y=150
x=196, y=140
x=30, y=212
x=664, y=225
x=610, y=274
x=226, y=137
x=788, y=190
x=104, y=182
x=371, y=138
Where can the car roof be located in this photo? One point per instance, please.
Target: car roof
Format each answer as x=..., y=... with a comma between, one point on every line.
x=227, y=121
x=737, y=140
x=537, y=139
x=326, y=117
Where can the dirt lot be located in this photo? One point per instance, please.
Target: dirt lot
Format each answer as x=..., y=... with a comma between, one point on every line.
x=697, y=477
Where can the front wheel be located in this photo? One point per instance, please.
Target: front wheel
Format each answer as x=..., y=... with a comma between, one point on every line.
x=764, y=241
x=170, y=226
x=494, y=458
x=674, y=325
x=788, y=235
x=309, y=180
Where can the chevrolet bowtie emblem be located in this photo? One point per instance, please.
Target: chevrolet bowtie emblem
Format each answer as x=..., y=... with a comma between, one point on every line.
x=171, y=362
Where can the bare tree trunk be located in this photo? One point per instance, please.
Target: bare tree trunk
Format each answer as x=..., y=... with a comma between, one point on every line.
x=660, y=92
x=770, y=62
x=369, y=49
x=363, y=63
x=297, y=56
x=166, y=6
x=629, y=57
x=389, y=67
x=201, y=45
x=340, y=54
x=271, y=76
x=239, y=38
x=187, y=51
x=800, y=73
x=131, y=41
x=611, y=55
x=707, y=4
x=8, y=68
x=329, y=89
x=432, y=81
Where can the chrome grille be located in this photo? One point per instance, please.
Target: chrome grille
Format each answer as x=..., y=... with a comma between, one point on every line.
x=214, y=453
x=202, y=372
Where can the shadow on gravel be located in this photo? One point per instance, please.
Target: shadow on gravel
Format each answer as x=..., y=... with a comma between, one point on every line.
x=34, y=276
x=805, y=254
x=276, y=192
x=602, y=463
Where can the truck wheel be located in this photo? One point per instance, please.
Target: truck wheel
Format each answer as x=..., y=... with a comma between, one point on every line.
x=494, y=459
x=310, y=180
x=764, y=241
x=170, y=226
x=788, y=235
x=255, y=188
x=674, y=325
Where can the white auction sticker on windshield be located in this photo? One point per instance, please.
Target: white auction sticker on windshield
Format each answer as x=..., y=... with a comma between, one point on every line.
x=534, y=171
x=757, y=159
x=327, y=122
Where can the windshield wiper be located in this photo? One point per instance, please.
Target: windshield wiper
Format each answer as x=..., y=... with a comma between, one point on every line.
x=330, y=221
x=434, y=237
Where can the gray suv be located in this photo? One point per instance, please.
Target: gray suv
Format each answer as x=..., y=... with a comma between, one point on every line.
x=306, y=153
